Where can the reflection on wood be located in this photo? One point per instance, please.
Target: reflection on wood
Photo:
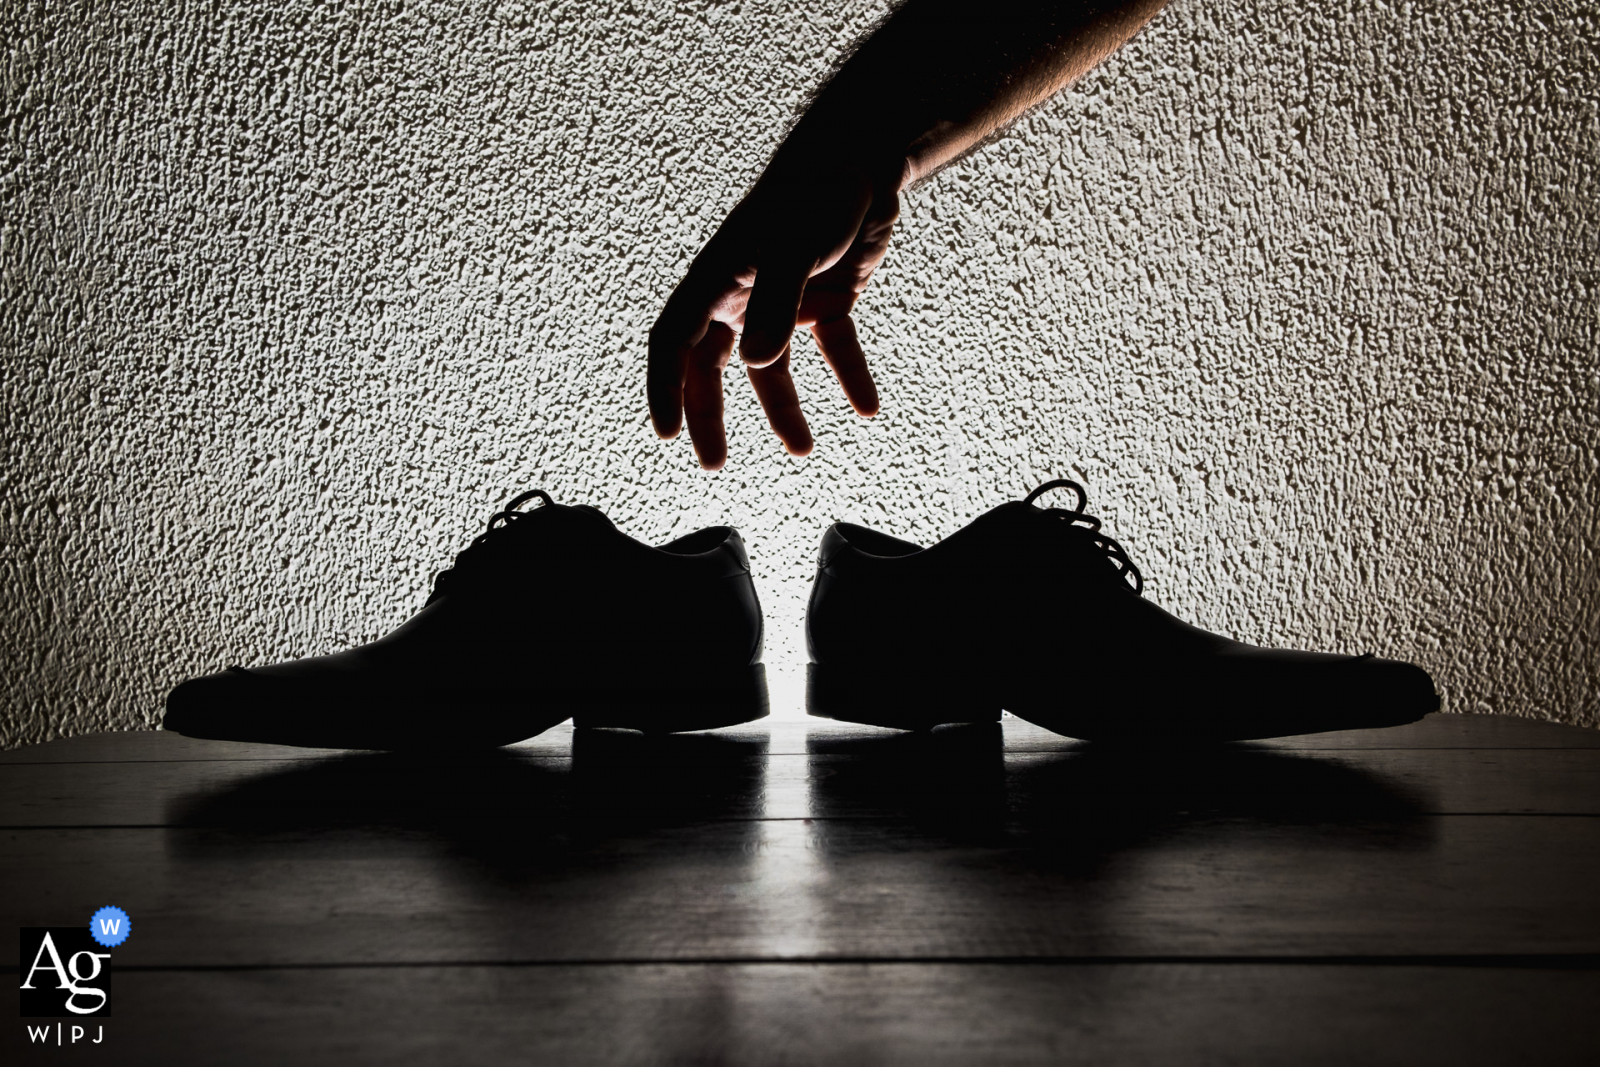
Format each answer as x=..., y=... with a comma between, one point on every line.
x=825, y=893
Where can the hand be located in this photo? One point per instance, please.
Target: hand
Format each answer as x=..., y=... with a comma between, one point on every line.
x=797, y=251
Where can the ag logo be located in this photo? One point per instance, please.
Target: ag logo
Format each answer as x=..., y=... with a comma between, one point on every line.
x=64, y=973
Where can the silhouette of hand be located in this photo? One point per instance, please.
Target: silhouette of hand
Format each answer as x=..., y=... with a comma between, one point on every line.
x=798, y=250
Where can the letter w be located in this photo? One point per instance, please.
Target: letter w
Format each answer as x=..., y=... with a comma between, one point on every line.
x=110, y=926
x=39, y=1034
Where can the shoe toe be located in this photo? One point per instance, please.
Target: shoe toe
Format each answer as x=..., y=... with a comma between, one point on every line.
x=310, y=703
x=1301, y=693
x=225, y=706
x=1395, y=692
x=328, y=703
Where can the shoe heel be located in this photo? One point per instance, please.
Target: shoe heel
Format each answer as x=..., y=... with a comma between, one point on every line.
x=665, y=704
x=902, y=698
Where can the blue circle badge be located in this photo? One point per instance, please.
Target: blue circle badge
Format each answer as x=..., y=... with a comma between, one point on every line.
x=110, y=926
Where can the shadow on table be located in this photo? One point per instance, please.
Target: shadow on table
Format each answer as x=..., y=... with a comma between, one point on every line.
x=638, y=847
x=614, y=782
x=957, y=785
x=1097, y=799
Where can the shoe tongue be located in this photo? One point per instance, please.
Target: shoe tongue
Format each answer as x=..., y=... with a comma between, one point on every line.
x=564, y=514
x=589, y=510
x=537, y=545
x=572, y=525
x=997, y=533
x=1072, y=543
x=1029, y=538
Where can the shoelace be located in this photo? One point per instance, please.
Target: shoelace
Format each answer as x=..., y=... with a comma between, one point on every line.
x=1103, y=541
x=505, y=517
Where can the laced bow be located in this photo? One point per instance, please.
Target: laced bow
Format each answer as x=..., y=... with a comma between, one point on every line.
x=500, y=520
x=1126, y=570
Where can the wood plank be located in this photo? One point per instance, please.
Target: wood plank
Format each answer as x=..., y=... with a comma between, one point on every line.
x=1455, y=731
x=793, y=737
x=850, y=1014
x=1433, y=731
x=505, y=885
x=963, y=777
x=1031, y=792
x=138, y=746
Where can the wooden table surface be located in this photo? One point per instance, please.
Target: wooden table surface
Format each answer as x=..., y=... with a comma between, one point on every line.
x=814, y=893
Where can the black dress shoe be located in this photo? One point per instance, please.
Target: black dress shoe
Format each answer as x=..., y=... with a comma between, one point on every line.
x=553, y=613
x=1033, y=610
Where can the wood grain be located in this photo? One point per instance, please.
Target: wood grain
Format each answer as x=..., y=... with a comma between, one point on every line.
x=888, y=775
x=512, y=890
x=916, y=1014
x=794, y=737
x=824, y=893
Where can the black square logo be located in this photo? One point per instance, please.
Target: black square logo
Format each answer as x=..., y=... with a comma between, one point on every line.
x=65, y=974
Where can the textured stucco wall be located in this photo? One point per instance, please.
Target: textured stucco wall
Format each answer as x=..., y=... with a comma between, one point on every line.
x=295, y=293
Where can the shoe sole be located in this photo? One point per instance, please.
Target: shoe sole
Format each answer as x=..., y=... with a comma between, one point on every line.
x=917, y=699
x=697, y=701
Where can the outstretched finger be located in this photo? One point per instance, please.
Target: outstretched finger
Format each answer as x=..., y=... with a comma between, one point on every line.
x=681, y=326
x=774, y=308
x=702, y=395
x=842, y=351
x=775, y=389
x=663, y=385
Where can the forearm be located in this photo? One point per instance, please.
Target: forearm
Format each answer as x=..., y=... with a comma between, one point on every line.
x=941, y=76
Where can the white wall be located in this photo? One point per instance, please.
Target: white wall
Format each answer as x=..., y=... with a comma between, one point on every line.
x=294, y=294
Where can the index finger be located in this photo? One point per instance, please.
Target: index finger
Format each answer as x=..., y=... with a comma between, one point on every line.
x=681, y=326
